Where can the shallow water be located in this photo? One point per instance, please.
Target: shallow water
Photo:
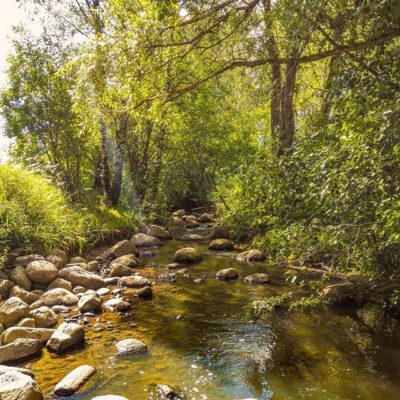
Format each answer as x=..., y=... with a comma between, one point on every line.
x=200, y=342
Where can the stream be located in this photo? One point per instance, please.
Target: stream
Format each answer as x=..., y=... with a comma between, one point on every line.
x=201, y=343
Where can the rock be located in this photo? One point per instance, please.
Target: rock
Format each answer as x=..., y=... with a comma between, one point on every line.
x=25, y=260
x=62, y=254
x=122, y=248
x=109, y=397
x=135, y=281
x=36, y=305
x=90, y=301
x=187, y=255
x=116, y=305
x=13, y=310
x=27, y=323
x=227, y=274
x=198, y=280
x=340, y=293
x=173, y=266
x=373, y=315
x=164, y=392
x=79, y=277
x=59, y=297
x=189, y=217
x=44, y=317
x=195, y=237
x=169, y=277
x=5, y=287
x=19, y=277
x=15, y=385
x=219, y=232
x=67, y=335
x=41, y=271
x=129, y=261
x=158, y=232
x=251, y=255
x=1, y=329
x=145, y=293
x=24, y=295
x=257, y=278
x=221, y=244
x=178, y=213
x=15, y=332
x=60, y=283
x=103, y=291
x=91, y=266
x=19, y=350
x=25, y=371
x=120, y=270
x=56, y=260
x=147, y=254
x=191, y=223
x=176, y=221
x=206, y=218
x=60, y=309
x=143, y=240
x=72, y=382
x=183, y=271
x=78, y=260
x=78, y=289
x=130, y=346
x=111, y=281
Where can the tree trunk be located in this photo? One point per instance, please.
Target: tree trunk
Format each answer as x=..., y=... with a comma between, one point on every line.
x=105, y=170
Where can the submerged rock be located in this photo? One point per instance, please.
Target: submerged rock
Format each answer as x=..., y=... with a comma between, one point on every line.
x=66, y=336
x=72, y=382
x=251, y=255
x=257, y=278
x=143, y=240
x=187, y=255
x=164, y=392
x=227, y=274
x=41, y=271
x=20, y=349
x=130, y=346
x=16, y=385
x=145, y=293
x=221, y=244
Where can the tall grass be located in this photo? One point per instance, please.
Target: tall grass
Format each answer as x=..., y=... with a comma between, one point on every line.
x=35, y=213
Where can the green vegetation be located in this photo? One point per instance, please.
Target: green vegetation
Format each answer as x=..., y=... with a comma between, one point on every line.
x=34, y=213
x=281, y=115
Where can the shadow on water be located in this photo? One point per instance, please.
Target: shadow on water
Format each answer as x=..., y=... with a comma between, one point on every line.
x=200, y=342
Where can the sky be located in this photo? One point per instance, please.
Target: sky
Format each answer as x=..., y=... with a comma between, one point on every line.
x=10, y=15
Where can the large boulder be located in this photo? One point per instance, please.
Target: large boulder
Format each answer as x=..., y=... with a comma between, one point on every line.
x=187, y=255
x=13, y=310
x=14, y=333
x=59, y=297
x=129, y=260
x=143, y=240
x=221, y=244
x=251, y=255
x=122, y=248
x=67, y=335
x=25, y=260
x=5, y=287
x=130, y=346
x=72, y=382
x=16, y=385
x=158, y=232
x=44, y=317
x=19, y=350
x=257, y=279
x=60, y=283
x=120, y=270
x=90, y=301
x=27, y=297
x=227, y=274
x=219, y=232
x=19, y=277
x=134, y=281
x=79, y=277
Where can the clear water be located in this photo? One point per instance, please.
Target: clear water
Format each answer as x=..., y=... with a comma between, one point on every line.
x=200, y=342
